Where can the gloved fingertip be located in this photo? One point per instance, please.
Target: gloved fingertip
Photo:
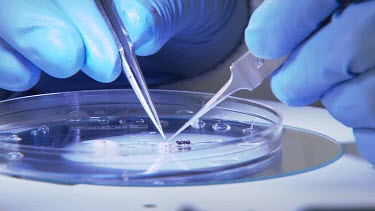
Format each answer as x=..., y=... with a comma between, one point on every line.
x=56, y=49
x=254, y=43
x=366, y=143
x=280, y=87
x=280, y=94
x=26, y=82
x=110, y=76
x=104, y=71
x=16, y=72
x=263, y=39
x=143, y=23
x=21, y=79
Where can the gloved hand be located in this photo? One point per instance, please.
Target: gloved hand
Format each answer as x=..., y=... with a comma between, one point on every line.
x=61, y=37
x=334, y=62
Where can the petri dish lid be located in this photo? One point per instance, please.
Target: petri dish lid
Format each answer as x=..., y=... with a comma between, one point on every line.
x=105, y=137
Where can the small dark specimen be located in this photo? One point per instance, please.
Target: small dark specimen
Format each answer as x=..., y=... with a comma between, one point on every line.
x=182, y=141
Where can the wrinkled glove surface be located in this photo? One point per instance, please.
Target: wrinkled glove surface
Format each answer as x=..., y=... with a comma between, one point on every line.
x=62, y=37
x=334, y=61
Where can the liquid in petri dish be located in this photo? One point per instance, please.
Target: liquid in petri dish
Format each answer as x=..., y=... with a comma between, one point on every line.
x=221, y=127
x=10, y=137
x=78, y=118
x=198, y=124
x=44, y=129
x=82, y=144
x=14, y=156
x=34, y=132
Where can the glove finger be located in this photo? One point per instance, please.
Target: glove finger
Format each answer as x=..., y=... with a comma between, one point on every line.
x=16, y=72
x=329, y=57
x=358, y=112
x=102, y=58
x=42, y=34
x=144, y=24
x=189, y=36
x=278, y=26
x=365, y=139
x=152, y=23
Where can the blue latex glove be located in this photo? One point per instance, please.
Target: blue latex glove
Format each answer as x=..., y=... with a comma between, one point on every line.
x=61, y=37
x=336, y=64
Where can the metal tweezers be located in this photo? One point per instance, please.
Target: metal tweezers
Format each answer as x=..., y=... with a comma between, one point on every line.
x=247, y=72
x=128, y=58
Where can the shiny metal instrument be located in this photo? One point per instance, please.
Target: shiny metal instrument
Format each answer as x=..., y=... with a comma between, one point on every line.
x=247, y=72
x=128, y=58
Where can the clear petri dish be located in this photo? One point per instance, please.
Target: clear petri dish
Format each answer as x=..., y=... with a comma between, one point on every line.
x=104, y=137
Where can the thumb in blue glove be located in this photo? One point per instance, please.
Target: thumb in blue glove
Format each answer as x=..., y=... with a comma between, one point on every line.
x=334, y=63
x=58, y=37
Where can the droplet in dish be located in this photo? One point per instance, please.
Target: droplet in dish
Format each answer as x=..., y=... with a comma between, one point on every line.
x=34, y=132
x=78, y=118
x=221, y=127
x=44, y=129
x=198, y=124
x=9, y=137
x=14, y=156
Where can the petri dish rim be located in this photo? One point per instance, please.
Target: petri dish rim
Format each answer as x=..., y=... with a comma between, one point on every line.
x=268, y=131
x=268, y=146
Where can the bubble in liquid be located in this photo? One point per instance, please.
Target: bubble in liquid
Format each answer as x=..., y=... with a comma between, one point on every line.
x=78, y=118
x=34, y=132
x=44, y=129
x=259, y=63
x=14, y=156
x=221, y=127
x=9, y=137
x=198, y=124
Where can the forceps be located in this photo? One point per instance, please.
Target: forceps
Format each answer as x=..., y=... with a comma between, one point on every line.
x=128, y=58
x=247, y=72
